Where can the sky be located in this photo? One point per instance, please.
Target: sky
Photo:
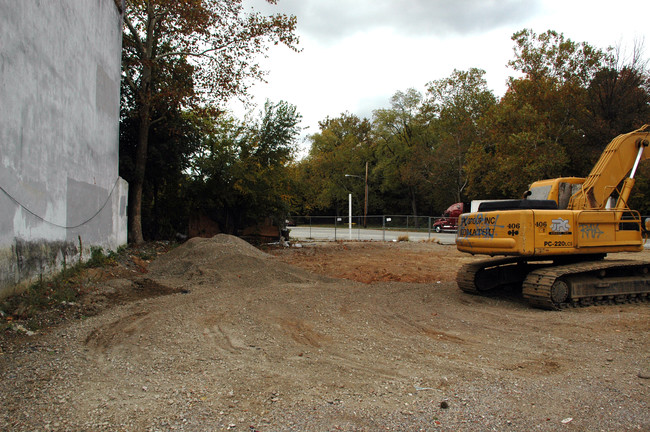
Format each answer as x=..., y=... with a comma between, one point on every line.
x=357, y=53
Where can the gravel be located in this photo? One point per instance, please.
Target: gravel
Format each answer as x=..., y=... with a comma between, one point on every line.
x=243, y=341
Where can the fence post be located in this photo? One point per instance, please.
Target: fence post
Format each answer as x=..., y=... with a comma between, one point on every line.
x=359, y=228
x=429, y=227
x=383, y=227
x=350, y=216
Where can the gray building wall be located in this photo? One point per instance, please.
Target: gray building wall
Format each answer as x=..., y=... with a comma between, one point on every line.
x=59, y=138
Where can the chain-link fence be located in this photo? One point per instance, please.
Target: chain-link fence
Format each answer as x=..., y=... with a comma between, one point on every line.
x=375, y=227
x=365, y=227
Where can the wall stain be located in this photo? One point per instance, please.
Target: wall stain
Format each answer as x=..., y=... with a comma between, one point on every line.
x=26, y=261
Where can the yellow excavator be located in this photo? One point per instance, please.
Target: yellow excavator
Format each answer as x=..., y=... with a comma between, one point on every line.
x=555, y=239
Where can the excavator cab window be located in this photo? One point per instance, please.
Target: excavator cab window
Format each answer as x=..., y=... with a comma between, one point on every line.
x=546, y=192
x=539, y=193
x=564, y=193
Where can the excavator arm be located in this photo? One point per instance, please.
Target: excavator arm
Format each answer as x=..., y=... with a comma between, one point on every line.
x=620, y=157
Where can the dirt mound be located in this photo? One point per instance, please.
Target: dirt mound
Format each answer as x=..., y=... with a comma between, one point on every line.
x=223, y=258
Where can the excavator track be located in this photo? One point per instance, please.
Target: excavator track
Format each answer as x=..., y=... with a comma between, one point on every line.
x=469, y=277
x=551, y=286
x=480, y=277
x=587, y=283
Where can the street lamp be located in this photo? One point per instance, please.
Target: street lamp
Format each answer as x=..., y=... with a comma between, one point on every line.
x=365, y=203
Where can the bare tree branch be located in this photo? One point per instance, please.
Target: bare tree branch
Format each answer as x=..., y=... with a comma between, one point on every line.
x=134, y=34
x=129, y=81
x=201, y=53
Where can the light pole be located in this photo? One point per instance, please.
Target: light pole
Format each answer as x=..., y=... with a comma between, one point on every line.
x=365, y=202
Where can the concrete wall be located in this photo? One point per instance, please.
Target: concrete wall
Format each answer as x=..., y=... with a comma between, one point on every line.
x=59, y=118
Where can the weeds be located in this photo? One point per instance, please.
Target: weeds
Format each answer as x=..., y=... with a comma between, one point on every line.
x=99, y=259
x=146, y=255
x=63, y=287
x=42, y=294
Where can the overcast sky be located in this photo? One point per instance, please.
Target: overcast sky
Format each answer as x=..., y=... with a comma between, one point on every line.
x=357, y=53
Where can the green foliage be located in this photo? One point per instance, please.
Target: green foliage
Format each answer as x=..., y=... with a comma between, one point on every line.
x=239, y=175
x=341, y=147
x=556, y=119
x=49, y=294
x=550, y=55
x=172, y=143
x=458, y=103
x=618, y=101
x=44, y=293
x=415, y=150
x=459, y=142
x=403, y=148
x=97, y=257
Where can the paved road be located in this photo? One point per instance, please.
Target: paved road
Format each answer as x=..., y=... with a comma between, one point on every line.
x=317, y=233
x=304, y=233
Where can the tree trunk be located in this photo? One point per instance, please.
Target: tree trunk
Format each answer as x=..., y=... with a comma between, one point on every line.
x=414, y=205
x=459, y=179
x=135, y=213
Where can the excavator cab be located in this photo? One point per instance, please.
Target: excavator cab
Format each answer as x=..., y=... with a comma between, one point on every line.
x=559, y=190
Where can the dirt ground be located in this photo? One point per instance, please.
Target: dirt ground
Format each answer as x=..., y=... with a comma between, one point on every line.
x=218, y=335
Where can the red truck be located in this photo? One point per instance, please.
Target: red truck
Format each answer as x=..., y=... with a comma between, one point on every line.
x=449, y=219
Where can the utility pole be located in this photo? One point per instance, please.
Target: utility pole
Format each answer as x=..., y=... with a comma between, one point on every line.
x=365, y=203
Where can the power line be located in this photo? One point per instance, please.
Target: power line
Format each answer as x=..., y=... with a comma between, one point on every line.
x=53, y=223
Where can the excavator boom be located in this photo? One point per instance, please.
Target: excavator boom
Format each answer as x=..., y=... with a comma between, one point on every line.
x=620, y=157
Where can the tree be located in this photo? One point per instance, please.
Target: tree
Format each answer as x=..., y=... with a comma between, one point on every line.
x=403, y=148
x=551, y=56
x=172, y=142
x=537, y=129
x=456, y=103
x=183, y=54
x=618, y=98
x=240, y=173
x=341, y=147
x=521, y=142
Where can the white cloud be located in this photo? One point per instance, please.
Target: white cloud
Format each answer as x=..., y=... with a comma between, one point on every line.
x=357, y=54
x=331, y=20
